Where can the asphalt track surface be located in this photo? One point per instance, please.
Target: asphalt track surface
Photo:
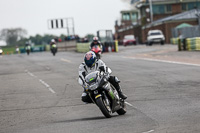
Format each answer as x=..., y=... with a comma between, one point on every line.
x=40, y=93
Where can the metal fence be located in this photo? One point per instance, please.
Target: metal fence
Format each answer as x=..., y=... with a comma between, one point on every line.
x=186, y=32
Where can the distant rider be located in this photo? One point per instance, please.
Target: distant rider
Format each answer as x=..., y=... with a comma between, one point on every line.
x=95, y=42
x=27, y=48
x=52, y=44
x=91, y=64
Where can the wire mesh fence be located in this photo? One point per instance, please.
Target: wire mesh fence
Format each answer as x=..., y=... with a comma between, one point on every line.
x=186, y=32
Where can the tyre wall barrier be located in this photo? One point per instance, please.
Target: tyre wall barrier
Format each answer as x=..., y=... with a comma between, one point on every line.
x=190, y=44
x=193, y=43
x=174, y=40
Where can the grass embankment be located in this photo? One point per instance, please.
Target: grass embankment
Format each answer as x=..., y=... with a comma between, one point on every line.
x=12, y=49
x=8, y=49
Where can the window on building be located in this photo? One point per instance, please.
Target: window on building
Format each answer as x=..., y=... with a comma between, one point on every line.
x=190, y=6
x=184, y=7
x=126, y=16
x=134, y=17
x=162, y=9
x=168, y=8
x=193, y=5
x=158, y=9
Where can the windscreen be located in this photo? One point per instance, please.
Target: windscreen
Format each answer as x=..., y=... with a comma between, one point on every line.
x=90, y=78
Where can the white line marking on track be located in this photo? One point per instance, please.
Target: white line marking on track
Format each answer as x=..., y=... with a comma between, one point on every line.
x=47, y=68
x=50, y=89
x=149, y=131
x=31, y=74
x=41, y=81
x=48, y=86
x=165, y=61
x=65, y=60
x=129, y=104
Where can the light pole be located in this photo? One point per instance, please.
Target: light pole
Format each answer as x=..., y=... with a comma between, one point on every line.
x=151, y=10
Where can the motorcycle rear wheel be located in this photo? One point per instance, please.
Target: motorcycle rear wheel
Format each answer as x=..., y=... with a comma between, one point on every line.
x=105, y=109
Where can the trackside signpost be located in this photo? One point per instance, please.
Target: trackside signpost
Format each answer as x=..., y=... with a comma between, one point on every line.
x=62, y=23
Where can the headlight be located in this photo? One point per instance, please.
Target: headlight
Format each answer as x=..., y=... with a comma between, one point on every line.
x=93, y=86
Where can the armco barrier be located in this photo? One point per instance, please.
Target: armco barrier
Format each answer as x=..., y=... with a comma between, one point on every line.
x=37, y=49
x=67, y=45
x=34, y=49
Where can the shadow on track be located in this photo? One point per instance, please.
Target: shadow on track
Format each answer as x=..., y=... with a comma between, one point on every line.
x=83, y=119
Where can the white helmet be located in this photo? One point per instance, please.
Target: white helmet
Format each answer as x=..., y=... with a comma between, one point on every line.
x=95, y=38
x=52, y=40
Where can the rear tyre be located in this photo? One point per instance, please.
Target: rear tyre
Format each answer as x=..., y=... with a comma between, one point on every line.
x=105, y=109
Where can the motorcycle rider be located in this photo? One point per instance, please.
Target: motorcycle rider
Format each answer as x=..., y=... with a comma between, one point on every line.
x=27, y=48
x=91, y=64
x=52, y=44
x=95, y=42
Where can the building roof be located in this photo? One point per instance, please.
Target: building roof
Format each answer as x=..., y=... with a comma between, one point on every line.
x=184, y=25
x=188, y=15
x=139, y=3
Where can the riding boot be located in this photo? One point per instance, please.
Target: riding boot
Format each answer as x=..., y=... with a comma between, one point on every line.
x=115, y=82
x=119, y=90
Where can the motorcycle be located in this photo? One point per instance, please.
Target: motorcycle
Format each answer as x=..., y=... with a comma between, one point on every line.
x=54, y=49
x=97, y=50
x=104, y=94
x=28, y=49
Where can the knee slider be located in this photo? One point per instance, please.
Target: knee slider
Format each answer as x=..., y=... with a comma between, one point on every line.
x=117, y=80
x=86, y=98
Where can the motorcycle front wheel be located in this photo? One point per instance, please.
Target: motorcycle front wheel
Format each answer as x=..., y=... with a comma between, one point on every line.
x=122, y=111
x=98, y=56
x=104, y=107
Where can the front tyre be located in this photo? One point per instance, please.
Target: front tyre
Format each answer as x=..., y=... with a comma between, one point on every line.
x=98, y=56
x=122, y=111
x=105, y=108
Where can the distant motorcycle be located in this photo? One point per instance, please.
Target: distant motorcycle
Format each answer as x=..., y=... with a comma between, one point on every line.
x=28, y=49
x=54, y=49
x=104, y=94
x=97, y=50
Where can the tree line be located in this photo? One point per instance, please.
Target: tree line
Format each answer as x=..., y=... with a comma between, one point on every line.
x=16, y=37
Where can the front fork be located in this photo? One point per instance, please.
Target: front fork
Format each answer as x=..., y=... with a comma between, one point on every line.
x=104, y=97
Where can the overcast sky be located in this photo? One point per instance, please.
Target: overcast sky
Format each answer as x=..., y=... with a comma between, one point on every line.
x=32, y=15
